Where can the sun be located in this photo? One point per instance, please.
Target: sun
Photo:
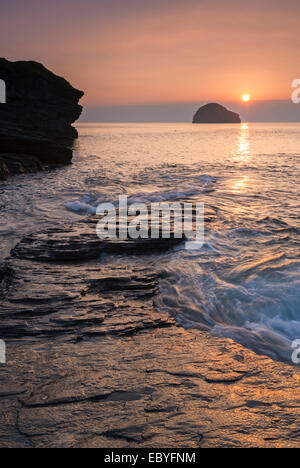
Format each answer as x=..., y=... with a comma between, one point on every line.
x=246, y=97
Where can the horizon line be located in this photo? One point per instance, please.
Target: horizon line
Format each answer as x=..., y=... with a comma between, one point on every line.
x=186, y=122
x=166, y=103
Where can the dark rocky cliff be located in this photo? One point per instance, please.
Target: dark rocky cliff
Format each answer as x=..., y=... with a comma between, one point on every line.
x=215, y=113
x=36, y=121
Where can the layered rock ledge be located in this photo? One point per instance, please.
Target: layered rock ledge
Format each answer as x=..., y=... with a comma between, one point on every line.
x=92, y=362
x=215, y=113
x=36, y=120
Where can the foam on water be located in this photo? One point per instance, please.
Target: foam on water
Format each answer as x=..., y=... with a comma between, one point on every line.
x=221, y=289
x=200, y=184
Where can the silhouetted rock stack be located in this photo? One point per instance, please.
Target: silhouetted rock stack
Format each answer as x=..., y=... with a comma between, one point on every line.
x=36, y=122
x=215, y=113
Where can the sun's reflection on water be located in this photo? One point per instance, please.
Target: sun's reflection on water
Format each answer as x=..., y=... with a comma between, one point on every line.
x=239, y=186
x=242, y=155
x=243, y=149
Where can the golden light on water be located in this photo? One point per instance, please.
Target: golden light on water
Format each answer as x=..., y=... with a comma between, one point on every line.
x=246, y=97
x=242, y=154
x=240, y=185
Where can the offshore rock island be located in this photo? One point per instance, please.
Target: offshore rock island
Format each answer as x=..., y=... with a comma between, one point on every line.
x=36, y=120
x=215, y=113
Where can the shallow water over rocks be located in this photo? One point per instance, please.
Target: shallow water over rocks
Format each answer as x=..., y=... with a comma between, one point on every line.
x=114, y=345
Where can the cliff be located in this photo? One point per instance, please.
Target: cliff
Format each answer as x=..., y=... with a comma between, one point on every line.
x=36, y=120
x=215, y=113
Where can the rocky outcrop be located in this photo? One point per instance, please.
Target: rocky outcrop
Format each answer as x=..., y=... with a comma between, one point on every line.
x=215, y=113
x=78, y=242
x=36, y=120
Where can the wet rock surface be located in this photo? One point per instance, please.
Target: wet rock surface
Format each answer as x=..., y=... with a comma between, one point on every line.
x=35, y=121
x=92, y=363
x=75, y=242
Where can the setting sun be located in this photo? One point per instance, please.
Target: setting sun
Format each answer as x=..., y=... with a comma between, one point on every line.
x=246, y=97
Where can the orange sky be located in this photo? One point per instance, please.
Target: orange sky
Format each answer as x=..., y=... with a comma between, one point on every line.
x=130, y=51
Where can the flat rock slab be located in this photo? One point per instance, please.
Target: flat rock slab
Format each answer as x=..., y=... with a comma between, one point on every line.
x=79, y=241
x=148, y=390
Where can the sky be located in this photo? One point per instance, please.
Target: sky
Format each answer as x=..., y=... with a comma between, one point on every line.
x=162, y=57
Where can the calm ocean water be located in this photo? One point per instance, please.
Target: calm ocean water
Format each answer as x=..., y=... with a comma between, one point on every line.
x=245, y=282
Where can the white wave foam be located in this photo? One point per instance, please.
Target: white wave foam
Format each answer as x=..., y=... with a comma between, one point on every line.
x=256, y=304
x=88, y=203
x=81, y=207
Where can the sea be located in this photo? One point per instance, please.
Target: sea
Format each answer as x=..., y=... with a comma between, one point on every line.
x=244, y=283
